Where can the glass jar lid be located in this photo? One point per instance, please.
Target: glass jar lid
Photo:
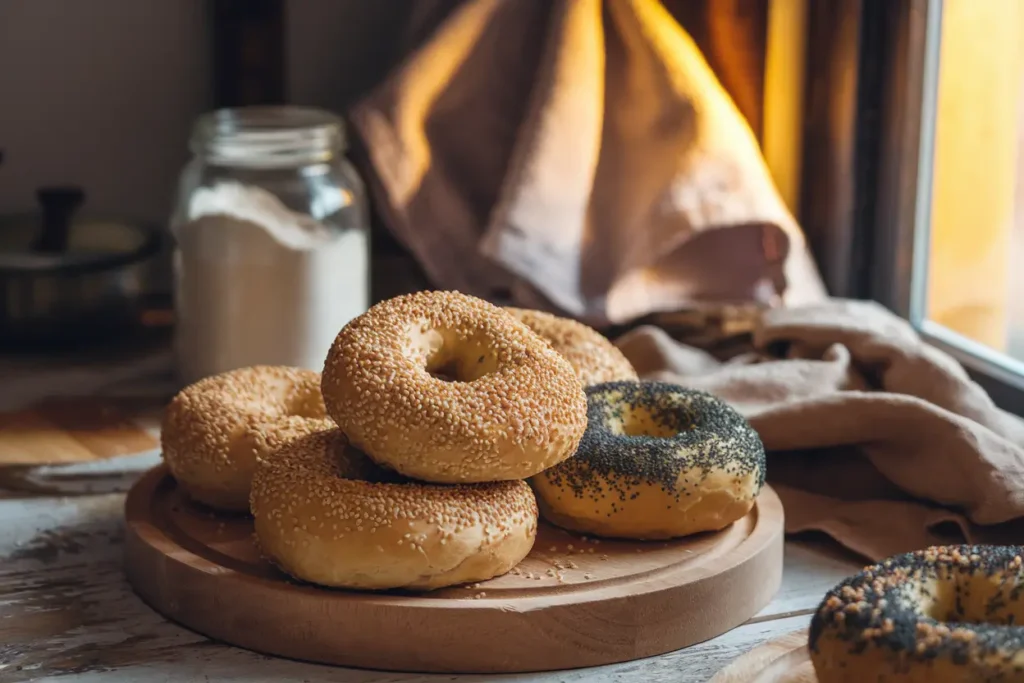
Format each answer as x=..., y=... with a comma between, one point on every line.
x=268, y=136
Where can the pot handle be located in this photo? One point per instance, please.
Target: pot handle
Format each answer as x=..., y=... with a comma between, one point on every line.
x=58, y=203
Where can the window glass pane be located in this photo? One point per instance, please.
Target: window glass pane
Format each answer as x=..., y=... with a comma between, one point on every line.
x=975, y=254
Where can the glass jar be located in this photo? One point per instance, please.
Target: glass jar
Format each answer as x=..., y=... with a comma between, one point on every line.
x=272, y=252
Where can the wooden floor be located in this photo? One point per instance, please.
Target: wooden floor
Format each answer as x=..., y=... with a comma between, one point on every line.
x=67, y=614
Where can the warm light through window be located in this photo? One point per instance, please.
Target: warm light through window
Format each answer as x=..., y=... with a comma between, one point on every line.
x=976, y=252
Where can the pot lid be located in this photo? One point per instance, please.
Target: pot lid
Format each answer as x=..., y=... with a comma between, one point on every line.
x=57, y=239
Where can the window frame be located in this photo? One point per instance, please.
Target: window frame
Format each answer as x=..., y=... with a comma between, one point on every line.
x=872, y=212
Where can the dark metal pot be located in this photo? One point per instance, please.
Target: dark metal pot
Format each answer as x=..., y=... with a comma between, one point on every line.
x=67, y=281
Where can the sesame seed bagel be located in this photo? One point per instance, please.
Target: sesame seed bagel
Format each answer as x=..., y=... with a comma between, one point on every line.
x=595, y=359
x=215, y=429
x=943, y=614
x=657, y=461
x=326, y=514
x=448, y=388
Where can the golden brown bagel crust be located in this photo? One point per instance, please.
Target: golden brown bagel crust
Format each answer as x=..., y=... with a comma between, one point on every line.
x=594, y=358
x=943, y=614
x=657, y=461
x=326, y=514
x=514, y=408
x=215, y=429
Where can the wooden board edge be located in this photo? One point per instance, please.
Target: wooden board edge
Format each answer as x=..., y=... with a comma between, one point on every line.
x=739, y=591
x=768, y=536
x=766, y=662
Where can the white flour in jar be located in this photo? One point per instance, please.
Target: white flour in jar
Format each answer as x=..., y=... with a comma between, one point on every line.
x=259, y=284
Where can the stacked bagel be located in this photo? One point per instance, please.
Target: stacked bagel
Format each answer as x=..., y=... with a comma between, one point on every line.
x=417, y=457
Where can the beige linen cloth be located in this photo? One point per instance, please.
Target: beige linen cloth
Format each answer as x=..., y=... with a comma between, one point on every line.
x=581, y=156
x=874, y=437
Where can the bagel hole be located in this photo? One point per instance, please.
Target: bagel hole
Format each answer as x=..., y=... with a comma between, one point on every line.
x=464, y=363
x=446, y=371
x=449, y=356
x=974, y=598
x=640, y=422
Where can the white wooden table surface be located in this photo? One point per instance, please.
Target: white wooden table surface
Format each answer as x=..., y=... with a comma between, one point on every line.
x=68, y=615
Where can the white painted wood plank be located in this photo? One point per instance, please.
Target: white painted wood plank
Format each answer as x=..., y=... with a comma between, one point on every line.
x=217, y=664
x=810, y=570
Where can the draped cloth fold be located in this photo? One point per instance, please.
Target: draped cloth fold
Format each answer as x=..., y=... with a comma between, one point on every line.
x=874, y=437
x=578, y=156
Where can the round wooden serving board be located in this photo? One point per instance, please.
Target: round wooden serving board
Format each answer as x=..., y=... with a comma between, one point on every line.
x=573, y=602
x=783, y=660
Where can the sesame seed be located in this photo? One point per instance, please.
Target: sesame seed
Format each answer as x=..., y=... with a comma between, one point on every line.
x=322, y=475
x=217, y=429
x=954, y=604
x=594, y=358
x=448, y=388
